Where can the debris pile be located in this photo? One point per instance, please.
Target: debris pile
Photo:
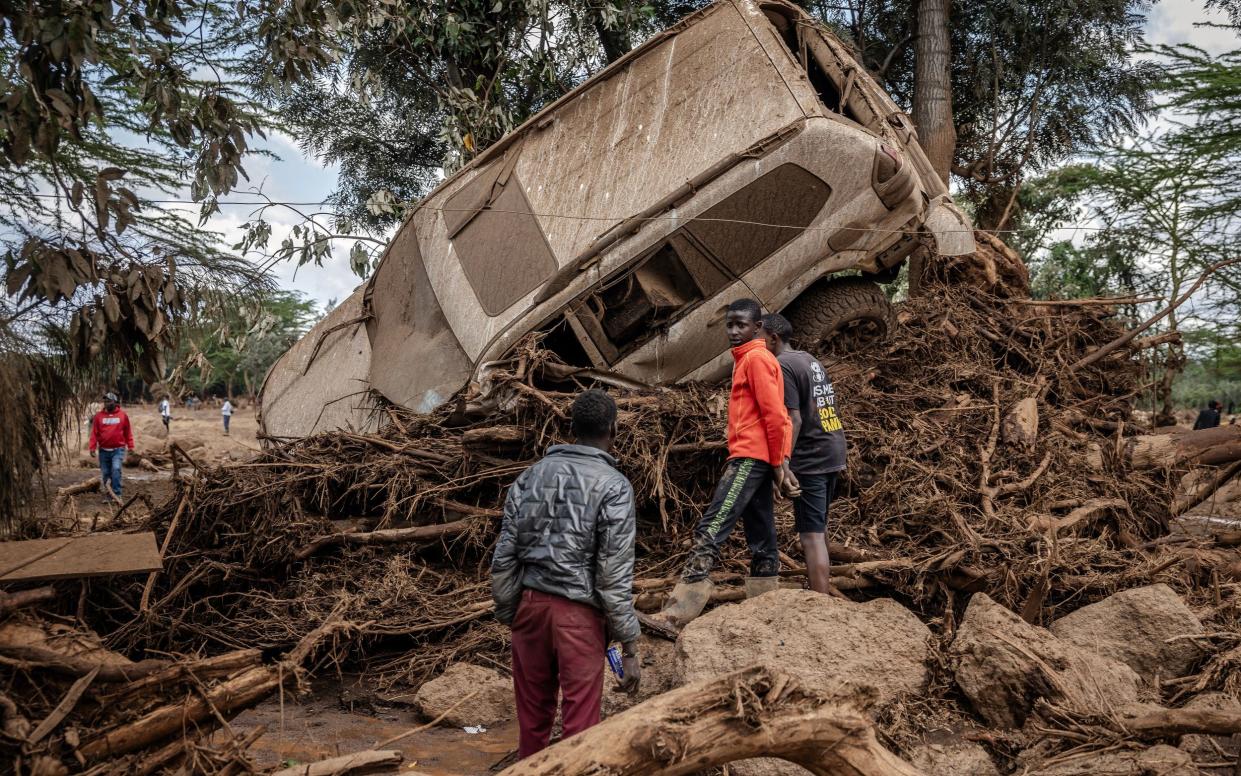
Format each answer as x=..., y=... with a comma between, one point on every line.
x=940, y=499
x=69, y=704
x=999, y=481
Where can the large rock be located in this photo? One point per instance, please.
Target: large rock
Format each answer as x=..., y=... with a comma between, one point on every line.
x=822, y=640
x=1139, y=627
x=1003, y=664
x=493, y=703
x=1212, y=748
x=959, y=758
x=1159, y=760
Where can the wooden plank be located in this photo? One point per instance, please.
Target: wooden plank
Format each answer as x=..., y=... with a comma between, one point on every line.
x=81, y=556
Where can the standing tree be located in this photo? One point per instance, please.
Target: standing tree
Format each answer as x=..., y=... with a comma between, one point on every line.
x=106, y=110
x=1032, y=83
x=932, y=99
x=233, y=346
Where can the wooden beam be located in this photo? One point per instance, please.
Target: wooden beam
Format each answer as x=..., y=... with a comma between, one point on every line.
x=96, y=555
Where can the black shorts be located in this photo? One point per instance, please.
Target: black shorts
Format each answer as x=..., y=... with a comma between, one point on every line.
x=810, y=508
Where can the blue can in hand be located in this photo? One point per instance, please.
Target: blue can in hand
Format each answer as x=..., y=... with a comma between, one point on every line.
x=614, y=662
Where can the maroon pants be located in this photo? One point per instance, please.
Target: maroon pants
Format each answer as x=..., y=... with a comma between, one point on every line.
x=558, y=644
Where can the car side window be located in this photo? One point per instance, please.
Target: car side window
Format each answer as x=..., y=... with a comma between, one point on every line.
x=692, y=265
x=502, y=249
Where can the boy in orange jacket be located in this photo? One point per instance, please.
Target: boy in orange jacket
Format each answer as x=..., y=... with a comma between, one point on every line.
x=759, y=442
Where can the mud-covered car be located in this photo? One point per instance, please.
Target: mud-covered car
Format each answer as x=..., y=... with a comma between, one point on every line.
x=742, y=152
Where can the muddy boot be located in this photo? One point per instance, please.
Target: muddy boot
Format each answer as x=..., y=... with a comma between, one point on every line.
x=687, y=601
x=756, y=586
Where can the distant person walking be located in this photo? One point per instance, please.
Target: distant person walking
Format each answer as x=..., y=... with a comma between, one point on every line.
x=112, y=435
x=226, y=412
x=1209, y=416
x=165, y=414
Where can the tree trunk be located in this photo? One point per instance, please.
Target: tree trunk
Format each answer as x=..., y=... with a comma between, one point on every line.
x=932, y=109
x=755, y=712
x=615, y=40
x=1211, y=446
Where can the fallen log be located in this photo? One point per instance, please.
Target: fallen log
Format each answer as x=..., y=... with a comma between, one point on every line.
x=418, y=533
x=848, y=570
x=1205, y=490
x=495, y=436
x=1132, y=334
x=1175, y=722
x=358, y=762
x=1091, y=508
x=1211, y=446
x=78, y=488
x=39, y=657
x=208, y=706
x=1155, y=341
x=755, y=712
x=1020, y=427
x=206, y=668
x=23, y=598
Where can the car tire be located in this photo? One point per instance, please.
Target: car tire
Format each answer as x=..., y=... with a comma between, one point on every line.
x=840, y=315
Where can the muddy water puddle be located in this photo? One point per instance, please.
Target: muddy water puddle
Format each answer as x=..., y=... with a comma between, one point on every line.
x=323, y=726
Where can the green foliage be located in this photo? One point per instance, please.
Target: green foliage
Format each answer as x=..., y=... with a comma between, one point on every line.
x=1033, y=83
x=106, y=108
x=232, y=348
x=1207, y=91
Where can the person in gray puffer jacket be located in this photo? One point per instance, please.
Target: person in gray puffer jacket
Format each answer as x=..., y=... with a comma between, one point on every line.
x=562, y=577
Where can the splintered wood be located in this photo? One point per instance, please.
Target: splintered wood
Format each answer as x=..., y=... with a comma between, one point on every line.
x=756, y=712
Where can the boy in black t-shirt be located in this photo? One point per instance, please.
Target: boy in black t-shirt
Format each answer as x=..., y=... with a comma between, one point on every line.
x=818, y=445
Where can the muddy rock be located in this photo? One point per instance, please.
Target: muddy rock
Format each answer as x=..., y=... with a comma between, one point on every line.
x=492, y=704
x=1138, y=627
x=823, y=641
x=1212, y=748
x=658, y=677
x=1159, y=760
x=766, y=766
x=960, y=758
x=1003, y=664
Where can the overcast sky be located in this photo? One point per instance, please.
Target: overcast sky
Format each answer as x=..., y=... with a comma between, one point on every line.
x=296, y=177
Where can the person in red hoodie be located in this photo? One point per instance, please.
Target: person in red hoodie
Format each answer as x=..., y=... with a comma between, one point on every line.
x=110, y=432
x=759, y=442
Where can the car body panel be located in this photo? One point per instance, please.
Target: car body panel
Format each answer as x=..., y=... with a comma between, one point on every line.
x=323, y=381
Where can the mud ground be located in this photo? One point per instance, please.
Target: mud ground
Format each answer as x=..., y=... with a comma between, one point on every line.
x=199, y=430
x=343, y=716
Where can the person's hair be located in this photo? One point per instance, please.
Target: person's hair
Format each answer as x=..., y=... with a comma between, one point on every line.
x=593, y=413
x=778, y=325
x=749, y=307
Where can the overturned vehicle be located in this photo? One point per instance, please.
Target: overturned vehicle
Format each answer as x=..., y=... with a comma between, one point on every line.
x=742, y=152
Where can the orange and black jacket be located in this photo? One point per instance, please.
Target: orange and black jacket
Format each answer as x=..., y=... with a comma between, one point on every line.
x=758, y=422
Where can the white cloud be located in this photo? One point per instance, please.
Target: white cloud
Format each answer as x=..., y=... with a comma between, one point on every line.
x=1173, y=22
